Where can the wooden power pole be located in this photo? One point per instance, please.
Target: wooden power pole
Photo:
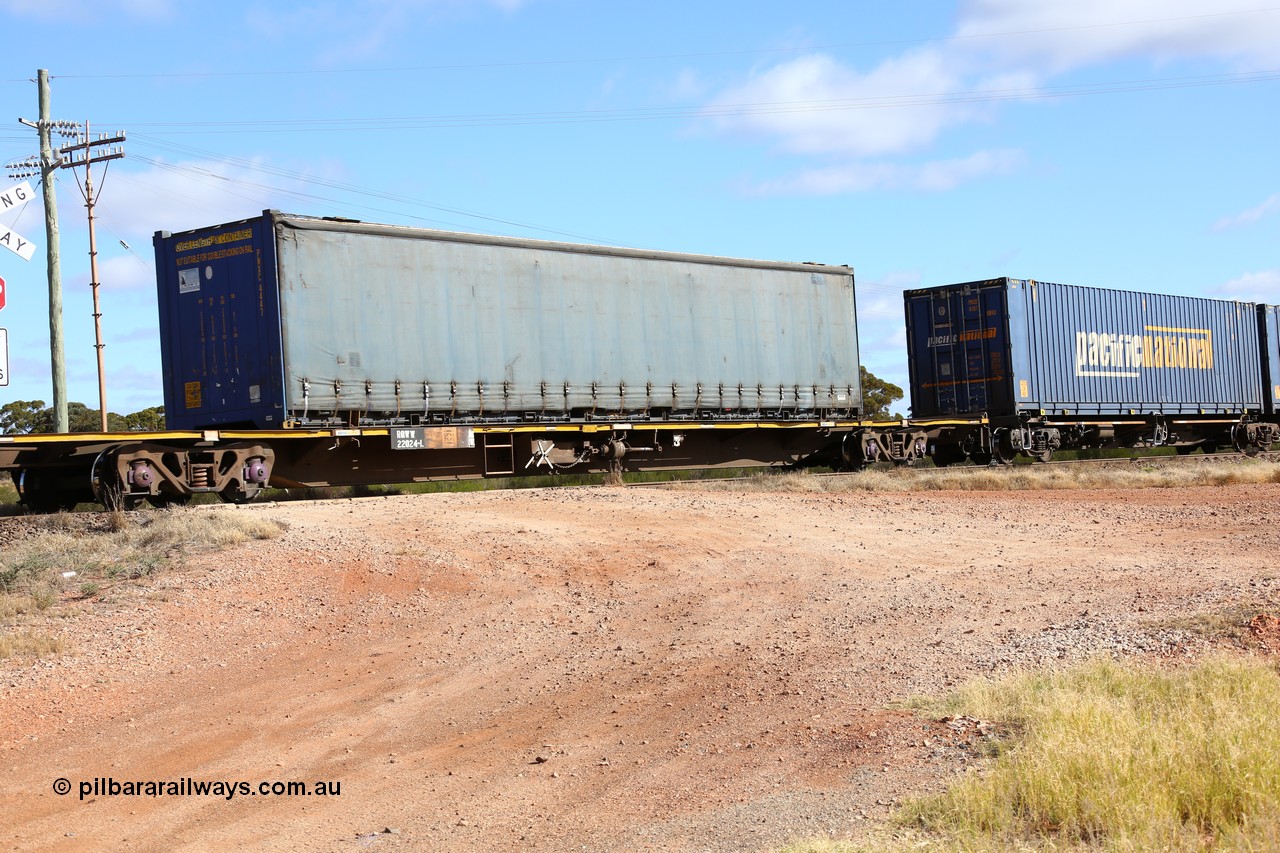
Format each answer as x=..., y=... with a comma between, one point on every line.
x=45, y=166
x=69, y=161
x=81, y=152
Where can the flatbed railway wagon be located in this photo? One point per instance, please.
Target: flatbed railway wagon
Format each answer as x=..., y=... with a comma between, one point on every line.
x=301, y=351
x=1008, y=367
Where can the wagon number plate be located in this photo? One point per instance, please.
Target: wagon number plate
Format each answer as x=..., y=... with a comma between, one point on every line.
x=408, y=438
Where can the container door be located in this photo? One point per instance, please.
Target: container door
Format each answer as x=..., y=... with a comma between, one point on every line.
x=959, y=350
x=219, y=327
x=1269, y=336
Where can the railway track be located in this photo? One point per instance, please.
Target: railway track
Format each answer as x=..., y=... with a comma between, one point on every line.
x=1125, y=462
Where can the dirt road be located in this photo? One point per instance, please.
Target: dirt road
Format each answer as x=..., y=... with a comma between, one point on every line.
x=600, y=669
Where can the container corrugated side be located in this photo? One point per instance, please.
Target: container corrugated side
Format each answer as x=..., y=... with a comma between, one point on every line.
x=1093, y=351
x=1069, y=350
x=219, y=326
x=463, y=323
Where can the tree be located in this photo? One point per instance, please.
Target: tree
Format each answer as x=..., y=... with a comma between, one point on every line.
x=23, y=416
x=147, y=420
x=877, y=396
x=32, y=416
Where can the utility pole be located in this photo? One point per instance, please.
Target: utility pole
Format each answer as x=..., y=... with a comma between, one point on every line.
x=47, y=165
x=69, y=161
x=45, y=168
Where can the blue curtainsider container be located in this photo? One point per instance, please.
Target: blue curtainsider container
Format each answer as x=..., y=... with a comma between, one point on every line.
x=1010, y=347
x=290, y=320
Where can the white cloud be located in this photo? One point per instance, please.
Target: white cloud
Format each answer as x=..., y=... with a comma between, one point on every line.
x=127, y=272
x=936, y=176
x=181, y=196
x=131, y=388
x=1262, y=286
x=1248, y=217
x=817, y=106
x=1059, y=36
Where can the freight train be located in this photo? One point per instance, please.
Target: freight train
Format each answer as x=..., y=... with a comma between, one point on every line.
x=301, y=351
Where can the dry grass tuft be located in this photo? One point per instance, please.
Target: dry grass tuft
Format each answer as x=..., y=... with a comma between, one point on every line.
x=35, y=573
x=1123, y=757
x=205, y=530
x=29, y=644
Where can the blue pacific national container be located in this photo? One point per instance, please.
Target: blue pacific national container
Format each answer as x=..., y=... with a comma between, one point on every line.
x=287, y=320
x=1006, y=346
x=1269, y=332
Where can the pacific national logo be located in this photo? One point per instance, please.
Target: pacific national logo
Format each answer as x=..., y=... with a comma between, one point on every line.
x=1157, y=348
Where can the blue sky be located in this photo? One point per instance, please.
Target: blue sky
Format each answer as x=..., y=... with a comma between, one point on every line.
x=1127, y=143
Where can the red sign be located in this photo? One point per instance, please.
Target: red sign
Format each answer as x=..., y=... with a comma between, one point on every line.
x=1, y=293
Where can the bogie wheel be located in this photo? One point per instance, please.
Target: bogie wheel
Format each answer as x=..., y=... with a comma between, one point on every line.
x=980, y=457
x=36, y=497
x=235, y=495
x=1004, y=452
x=948, y=455
x=1045, y=455
x=1184, y=449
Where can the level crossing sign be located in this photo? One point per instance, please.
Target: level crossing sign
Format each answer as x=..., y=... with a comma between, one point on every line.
x=13, y=241
x=4, y=357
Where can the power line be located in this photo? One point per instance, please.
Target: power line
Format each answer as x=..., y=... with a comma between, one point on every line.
x=730, y=110
x=661, y=56
x=212, y=179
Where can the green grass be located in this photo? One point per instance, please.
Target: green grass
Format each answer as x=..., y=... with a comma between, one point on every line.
x=1122, y=756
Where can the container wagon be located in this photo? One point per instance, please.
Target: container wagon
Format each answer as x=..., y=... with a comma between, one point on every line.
x=303, y=351
x=1013, y=366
